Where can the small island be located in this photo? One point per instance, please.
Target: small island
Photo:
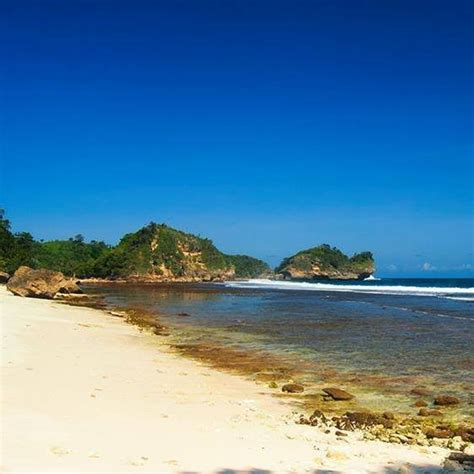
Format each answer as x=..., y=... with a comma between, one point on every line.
x=326, y=263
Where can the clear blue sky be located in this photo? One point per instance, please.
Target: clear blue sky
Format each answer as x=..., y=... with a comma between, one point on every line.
x=268, y=126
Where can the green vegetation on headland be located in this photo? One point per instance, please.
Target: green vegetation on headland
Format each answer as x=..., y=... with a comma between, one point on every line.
x=158, y=252
x=155, y=252
x=326, y=262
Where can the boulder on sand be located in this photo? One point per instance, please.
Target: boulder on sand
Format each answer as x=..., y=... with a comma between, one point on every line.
x=40, y=283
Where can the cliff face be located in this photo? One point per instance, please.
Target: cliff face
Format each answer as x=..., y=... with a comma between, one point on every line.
x=161, y=253
x=325, y=262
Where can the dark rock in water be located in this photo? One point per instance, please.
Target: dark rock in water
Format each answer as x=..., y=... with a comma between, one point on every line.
x=421, y=391
x=421, y=403
x=183, y=314
x=428, y=412
x=444, y=400
x=292, y=388
x=4, y=277
x=338, y=393
x=40, y=283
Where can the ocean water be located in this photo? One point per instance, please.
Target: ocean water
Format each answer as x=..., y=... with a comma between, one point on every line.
x=377, y=338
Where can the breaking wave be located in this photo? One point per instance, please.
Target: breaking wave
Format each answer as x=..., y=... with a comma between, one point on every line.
x=353, y=288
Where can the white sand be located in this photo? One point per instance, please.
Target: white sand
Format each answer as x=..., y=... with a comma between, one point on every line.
x=82, y=391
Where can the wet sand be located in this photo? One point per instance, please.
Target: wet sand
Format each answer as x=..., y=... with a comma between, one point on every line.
x=83, y=391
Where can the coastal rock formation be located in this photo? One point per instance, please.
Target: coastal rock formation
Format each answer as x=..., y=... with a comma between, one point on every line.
x=4, y=277
x=160, y=253
x=325, y=262
x=40, y=283
x=338, y=394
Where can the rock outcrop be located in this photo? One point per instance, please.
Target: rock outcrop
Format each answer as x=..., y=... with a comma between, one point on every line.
x=40, y=283
x=328, y=263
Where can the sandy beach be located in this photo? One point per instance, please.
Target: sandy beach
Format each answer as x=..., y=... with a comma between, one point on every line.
x=83, y=391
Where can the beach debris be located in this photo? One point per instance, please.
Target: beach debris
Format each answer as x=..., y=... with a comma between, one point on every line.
x=40, y=283
x=362, y=419
x=292, y=388
x=4, y=277
x=317, y=416
x=390, y=429
x=444, y=400
x=273, y=384
x=338, y=394
x=117, y=314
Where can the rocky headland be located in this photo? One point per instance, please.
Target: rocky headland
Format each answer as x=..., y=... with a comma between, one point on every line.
x=326, y=263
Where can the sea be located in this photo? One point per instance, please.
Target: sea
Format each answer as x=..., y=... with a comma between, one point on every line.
x=377, y=338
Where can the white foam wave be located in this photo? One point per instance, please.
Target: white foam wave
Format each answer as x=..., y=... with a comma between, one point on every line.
x=382, y=289
x=372, y=278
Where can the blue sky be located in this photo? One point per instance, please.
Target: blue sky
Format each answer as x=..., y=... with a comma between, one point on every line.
x=266, y=126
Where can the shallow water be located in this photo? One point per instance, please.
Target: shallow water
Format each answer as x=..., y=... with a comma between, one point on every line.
x=377, y=338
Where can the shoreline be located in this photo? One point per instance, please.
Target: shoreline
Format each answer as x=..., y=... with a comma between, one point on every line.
x=81, y=385
x=374, y=392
